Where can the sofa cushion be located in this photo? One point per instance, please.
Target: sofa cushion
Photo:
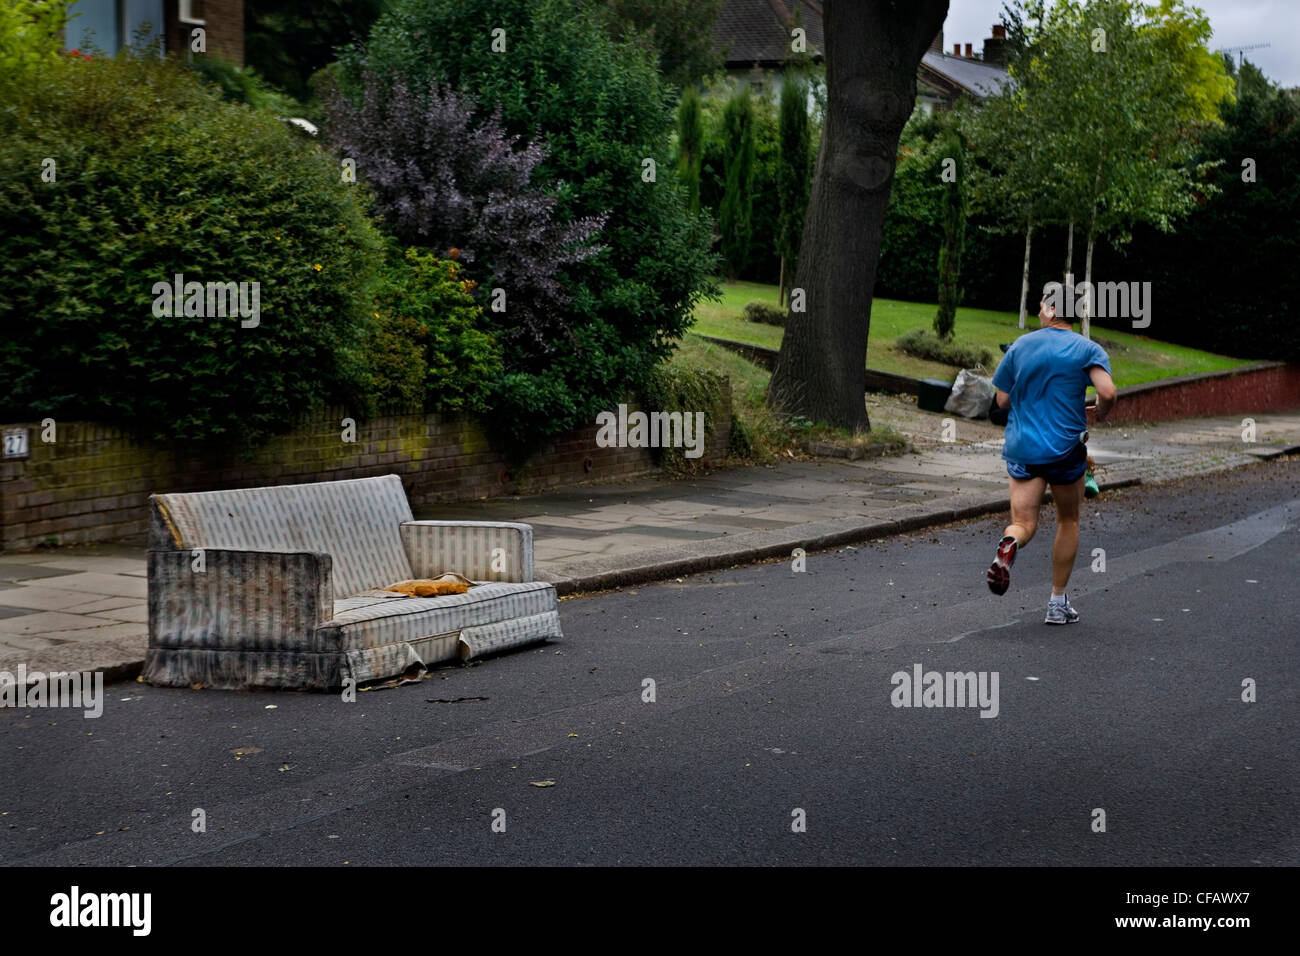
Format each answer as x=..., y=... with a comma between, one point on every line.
x=361, y=622
x=356, y=522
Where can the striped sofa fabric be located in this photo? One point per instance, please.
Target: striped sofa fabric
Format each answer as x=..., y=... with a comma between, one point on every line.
x=280, y=587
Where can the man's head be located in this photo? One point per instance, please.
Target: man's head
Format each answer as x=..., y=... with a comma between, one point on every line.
x=1047, y=317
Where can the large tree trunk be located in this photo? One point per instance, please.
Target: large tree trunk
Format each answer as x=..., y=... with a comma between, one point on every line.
x=1024, y=275
x=873, y=48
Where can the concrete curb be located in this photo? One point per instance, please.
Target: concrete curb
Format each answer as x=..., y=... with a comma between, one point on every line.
x=753, y=546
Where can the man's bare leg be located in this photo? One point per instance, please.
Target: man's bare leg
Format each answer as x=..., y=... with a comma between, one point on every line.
x=1026, y=499
x=1066, y=545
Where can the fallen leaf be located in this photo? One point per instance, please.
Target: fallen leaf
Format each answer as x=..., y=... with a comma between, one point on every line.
x=284, y=768
x=245, y=751
x=542, y=783
x=271, y=707
x=573, y=735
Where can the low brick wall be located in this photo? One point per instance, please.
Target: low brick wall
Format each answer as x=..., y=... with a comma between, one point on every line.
x=93, y=482
x=1262, y=387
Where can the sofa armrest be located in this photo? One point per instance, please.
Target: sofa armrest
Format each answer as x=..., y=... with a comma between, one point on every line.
x=220, y=599
x=480, y=550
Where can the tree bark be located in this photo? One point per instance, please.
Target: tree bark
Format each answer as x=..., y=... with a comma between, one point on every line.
x=1086, y=327
x=1024, y=276
x=1069, y=256
x=873, y=48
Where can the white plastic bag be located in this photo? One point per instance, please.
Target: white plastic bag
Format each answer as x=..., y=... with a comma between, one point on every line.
x=972, y=394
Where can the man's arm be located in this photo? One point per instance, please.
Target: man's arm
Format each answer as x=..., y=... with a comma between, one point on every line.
x=1105, y=387
x=1003, y=399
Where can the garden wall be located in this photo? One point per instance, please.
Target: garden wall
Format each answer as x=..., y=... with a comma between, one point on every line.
x=93, y=481
x=1262, y=387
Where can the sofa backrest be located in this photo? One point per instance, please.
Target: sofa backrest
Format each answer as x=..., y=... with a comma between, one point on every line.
x=356, y=522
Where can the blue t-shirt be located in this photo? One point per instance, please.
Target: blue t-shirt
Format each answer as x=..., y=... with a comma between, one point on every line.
x=1046, y=374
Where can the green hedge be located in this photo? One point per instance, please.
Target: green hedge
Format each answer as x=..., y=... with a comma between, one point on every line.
x=155, y=175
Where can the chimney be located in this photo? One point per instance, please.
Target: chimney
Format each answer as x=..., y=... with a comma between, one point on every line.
x=995, y=47
x=936, y=45
x=969, y=52
x=956, y=49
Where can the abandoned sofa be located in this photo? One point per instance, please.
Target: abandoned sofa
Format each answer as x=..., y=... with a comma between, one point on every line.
x=276, y=587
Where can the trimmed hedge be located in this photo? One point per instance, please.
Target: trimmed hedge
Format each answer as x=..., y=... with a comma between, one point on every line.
x=154, y=175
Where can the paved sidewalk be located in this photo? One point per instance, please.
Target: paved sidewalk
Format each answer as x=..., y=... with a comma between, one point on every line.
x=84, y=608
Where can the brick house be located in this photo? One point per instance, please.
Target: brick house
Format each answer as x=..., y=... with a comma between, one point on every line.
x=754, y=37
x=110, y=25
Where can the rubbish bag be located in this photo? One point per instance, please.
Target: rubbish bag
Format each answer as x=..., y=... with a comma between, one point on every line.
x=972, y=394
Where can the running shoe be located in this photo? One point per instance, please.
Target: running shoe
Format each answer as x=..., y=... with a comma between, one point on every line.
x=1061, y=613
x=999, y=576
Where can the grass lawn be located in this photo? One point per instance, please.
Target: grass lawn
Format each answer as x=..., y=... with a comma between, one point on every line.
x=1133, y=358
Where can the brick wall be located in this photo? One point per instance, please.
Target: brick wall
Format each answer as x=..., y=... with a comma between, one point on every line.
x=93, y=481
x=1263, y=387
x=224, y=22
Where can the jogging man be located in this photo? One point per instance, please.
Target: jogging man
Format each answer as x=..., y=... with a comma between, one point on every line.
x=1043, y=379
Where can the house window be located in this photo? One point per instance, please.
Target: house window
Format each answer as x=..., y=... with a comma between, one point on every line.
x=106, y=26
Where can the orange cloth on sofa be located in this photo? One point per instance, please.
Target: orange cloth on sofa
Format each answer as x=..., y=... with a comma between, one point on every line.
x=428, y=588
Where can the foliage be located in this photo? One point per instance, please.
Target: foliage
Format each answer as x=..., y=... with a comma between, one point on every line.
x=690, y=145
x=762, y=312
x=446, y=179
x=955, y=210
x=243, y=85
x=920, y=344
x=156, y=176
x=674, y=388
x=735, y=215
x=286, y=41
x=1243, y=305
x=428, y=346
x=31, y=35
x=911, y=237
x=600, y=110
x=678, y=33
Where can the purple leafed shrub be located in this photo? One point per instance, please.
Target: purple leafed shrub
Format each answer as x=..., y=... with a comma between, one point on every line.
x=446, y=178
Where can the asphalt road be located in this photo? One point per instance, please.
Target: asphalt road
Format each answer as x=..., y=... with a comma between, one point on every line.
x=773, y=694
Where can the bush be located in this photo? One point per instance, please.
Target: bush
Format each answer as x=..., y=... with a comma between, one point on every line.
x=767, y=314
x=921, y=344
x=736, y=213
x=447, y=180
x=428, y=346
x=241, y=84
x=674, y=388
x=600, y=110
x=154, y=176
x=31, y=35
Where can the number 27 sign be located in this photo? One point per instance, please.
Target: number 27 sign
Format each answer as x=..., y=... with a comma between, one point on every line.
x=16, y=443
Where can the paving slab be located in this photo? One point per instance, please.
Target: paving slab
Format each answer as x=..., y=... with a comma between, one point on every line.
x=42, y=598
x=111, y=585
